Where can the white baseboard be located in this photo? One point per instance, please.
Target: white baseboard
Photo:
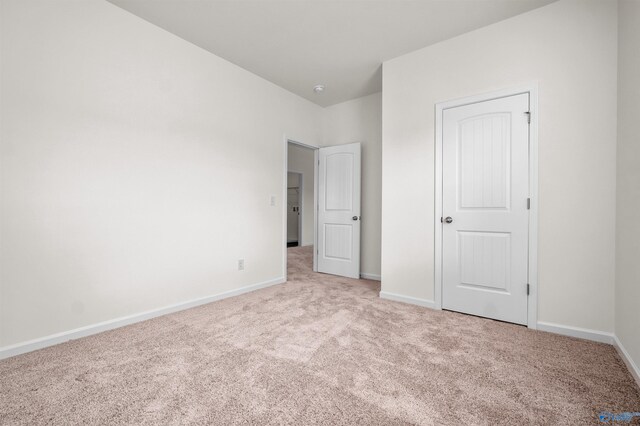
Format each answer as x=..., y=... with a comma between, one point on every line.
x=596, y=336
x=368, y=276
x=407, y=299
x=581, y=333
x=631, y=365
x=54, y=339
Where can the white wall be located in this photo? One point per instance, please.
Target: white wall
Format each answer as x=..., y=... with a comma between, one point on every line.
x=293, y=180
x=300, y=160
x=628, y=191
x=136, y=168
x=569, y=47
x=117, y=146
x=360, y=120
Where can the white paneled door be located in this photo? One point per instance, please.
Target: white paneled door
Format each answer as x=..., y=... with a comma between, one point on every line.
x=339, y=210
x=485, y=216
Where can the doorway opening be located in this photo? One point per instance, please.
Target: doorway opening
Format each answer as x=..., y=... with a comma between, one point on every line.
x=328, y=235
x=300, y=205
x=294, y=205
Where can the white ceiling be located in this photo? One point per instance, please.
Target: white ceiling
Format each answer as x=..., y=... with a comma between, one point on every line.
x=297, y=44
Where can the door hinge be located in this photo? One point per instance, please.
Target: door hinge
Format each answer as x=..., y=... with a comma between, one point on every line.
x=528, y=288
x=528, y=116
x=441, y=219
x=528, y=203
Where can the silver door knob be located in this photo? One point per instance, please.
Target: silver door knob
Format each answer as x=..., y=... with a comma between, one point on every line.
x=356, y=218
x=448, y=219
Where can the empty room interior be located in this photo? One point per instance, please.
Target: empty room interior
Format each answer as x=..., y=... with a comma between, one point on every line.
x=374, y=212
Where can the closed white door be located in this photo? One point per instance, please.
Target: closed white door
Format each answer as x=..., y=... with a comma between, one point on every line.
x=339, y=210
x=485, y=224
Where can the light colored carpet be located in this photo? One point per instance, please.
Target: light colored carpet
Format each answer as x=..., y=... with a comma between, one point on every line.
x=316, y=350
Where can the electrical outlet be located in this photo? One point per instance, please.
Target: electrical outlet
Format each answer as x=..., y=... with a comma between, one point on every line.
x=240, y=264
x=273, y=200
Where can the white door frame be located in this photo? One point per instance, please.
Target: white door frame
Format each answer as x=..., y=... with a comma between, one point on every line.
x=286, y=143
x=532, y=90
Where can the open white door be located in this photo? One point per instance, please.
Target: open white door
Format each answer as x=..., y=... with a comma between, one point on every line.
x=339, y=210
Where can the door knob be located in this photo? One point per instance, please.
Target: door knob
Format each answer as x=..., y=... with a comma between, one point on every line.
x=448, y=219
x=356, y=218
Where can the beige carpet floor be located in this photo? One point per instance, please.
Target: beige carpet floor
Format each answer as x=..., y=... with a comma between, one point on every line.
x=317, y=350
